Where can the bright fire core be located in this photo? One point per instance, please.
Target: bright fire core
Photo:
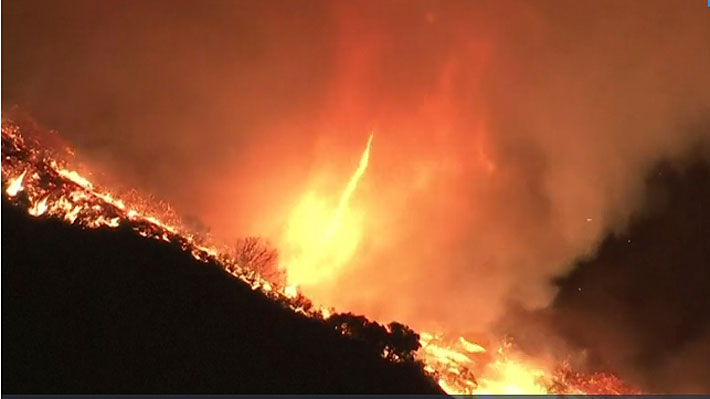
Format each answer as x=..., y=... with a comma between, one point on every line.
x=322, y=237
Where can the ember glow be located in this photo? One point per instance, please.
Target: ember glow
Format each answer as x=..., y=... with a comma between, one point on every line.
x=35, y=178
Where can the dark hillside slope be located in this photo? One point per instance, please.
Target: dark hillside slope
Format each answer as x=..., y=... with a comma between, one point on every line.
x=109, y=311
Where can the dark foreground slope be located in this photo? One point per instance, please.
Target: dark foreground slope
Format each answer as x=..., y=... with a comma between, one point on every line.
x=109, y=311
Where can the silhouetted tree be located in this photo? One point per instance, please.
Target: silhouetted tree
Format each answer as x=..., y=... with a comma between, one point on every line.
x=258, y=255
x=403, y=341
x=398, y=344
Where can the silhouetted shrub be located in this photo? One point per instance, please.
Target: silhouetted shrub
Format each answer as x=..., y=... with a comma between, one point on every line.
x=258, y=255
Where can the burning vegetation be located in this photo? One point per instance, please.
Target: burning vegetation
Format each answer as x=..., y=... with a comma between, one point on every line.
x=465, y=367
x=44, y=180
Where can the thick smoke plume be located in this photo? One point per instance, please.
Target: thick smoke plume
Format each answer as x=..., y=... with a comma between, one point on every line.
x=509, y=136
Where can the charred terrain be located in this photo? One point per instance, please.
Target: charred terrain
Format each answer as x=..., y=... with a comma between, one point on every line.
x=109, y=311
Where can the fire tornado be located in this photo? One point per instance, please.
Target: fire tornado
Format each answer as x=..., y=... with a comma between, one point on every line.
x=322, y=238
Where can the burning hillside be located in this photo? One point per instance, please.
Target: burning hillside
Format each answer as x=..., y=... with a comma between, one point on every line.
x=40, y=179
x=43, y=181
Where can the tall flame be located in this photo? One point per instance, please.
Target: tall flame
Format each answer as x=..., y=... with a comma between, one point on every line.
x=318, y=240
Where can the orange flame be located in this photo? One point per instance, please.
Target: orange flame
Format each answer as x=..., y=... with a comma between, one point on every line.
x=15, y=185
x=465, y=368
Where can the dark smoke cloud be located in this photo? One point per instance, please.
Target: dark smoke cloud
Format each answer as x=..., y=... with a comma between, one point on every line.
x=640, y=305
x=510, y=137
